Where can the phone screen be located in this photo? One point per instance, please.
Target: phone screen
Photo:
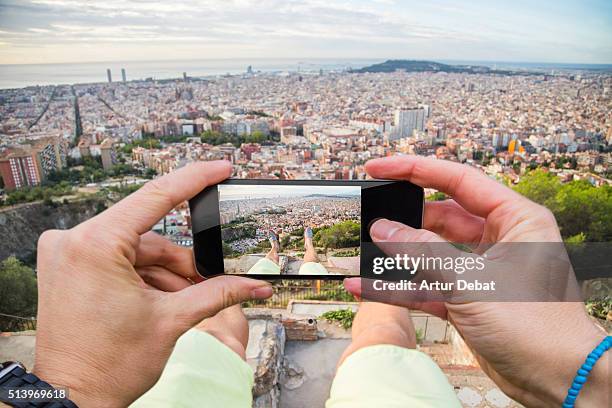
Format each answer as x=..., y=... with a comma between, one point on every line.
x=297, y=229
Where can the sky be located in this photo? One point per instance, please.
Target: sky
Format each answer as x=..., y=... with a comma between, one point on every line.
x=63, y=31
x=234, y=192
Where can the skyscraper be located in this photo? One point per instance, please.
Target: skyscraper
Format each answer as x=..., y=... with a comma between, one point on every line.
x=123, y=76
x=108, y=74
x=407, y=120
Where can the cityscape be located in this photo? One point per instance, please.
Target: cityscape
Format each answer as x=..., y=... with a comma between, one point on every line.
x=250, y=214
x=99, y=98
x=304, y=125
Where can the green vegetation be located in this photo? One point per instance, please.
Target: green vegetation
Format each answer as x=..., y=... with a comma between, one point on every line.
x=437, y=196
x=600, y=307
x=338, y=294
x=218, y=138
x=61, y=182
x=343, y=317
x=258, y=113
x=261, y=247
x=228, y=252
x=18, y=293
x=233, y=233
x=347, y=253
x=431, y=66
x=89, y=170
x=148, y=142
x=420, y=336
x=582, y=210
x=30, y=194
x=345, y=234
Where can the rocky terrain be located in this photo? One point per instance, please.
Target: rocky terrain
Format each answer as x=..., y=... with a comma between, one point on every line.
x=21, y=225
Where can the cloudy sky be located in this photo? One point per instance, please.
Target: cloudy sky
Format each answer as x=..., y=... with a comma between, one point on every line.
x=51, y=31
x=234, y=192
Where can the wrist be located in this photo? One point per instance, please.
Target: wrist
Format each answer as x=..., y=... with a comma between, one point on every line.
x=571, y=355
x=79, y=392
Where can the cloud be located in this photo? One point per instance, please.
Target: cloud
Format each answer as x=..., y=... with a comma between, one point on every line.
x=278, y=28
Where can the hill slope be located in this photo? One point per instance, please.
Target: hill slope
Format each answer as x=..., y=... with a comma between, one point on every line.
x=421, y=66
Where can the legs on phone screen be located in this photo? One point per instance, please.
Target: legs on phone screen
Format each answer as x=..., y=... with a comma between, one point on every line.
x=310, y=254
x=274, y=247
x=378, y=323
x=230, y=327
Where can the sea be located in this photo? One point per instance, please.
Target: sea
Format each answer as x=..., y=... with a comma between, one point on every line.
x=23, y=75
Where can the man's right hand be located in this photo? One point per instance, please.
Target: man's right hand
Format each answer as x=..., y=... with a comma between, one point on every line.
x=531, y=350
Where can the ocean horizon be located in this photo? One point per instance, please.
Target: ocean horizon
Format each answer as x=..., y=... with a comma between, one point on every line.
x=24, y=75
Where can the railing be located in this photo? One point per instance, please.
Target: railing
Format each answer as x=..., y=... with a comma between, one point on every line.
x=11, y=323
x=284, y=291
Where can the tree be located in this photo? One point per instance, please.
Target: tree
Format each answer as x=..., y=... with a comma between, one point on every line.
x=539, y=186
x=583, y=211
x=18, y=292
x=582, y=208
x=342, y=235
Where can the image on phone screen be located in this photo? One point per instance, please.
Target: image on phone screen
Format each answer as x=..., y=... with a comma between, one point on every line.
x=290, y=229
x=296, y=229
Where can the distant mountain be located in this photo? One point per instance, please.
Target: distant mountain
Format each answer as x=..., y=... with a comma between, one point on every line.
x=425, y=66
x=331, y=196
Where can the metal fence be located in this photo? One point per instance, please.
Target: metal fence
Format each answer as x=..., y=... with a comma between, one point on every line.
x=11, y=323
x=284, y=291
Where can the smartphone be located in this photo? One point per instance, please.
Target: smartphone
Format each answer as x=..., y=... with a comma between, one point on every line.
x=296, y=229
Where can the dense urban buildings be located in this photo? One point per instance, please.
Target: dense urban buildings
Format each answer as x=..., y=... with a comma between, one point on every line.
x=29, y=163
x=315, y=125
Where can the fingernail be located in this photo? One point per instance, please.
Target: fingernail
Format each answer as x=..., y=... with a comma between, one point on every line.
x=352, y=285
x=384, y=229
x=262, y=292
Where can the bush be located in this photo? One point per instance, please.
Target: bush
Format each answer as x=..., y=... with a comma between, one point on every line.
x=343, y=317
x=18, y=292
x=582, y=210
x=600, y=307
x=342, y=235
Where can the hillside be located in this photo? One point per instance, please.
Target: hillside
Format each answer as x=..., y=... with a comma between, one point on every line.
x=422, y=66
x=21, y=225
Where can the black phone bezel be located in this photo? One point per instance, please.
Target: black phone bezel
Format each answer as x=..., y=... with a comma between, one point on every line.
x=395, y=200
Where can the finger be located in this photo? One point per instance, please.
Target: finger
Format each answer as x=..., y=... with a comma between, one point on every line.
x=452, y=222
x=191, y=305
x=395, y=238
x=162, y=279
x=384, y=230
x=141, y=210
x=154, y=249
x=354, y=285
x=473, y=190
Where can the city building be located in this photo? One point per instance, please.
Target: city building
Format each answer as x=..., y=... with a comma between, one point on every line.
x=51, y=153
x=19, y=169
x=407, y=120
x=109, y=76
x=288, y=134
x=123, y=76
x=108, y=154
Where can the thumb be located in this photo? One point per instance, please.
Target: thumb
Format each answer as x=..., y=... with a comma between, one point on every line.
x=398, y=240
x=195, y=303
x=384, y=230
x=354, y=287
